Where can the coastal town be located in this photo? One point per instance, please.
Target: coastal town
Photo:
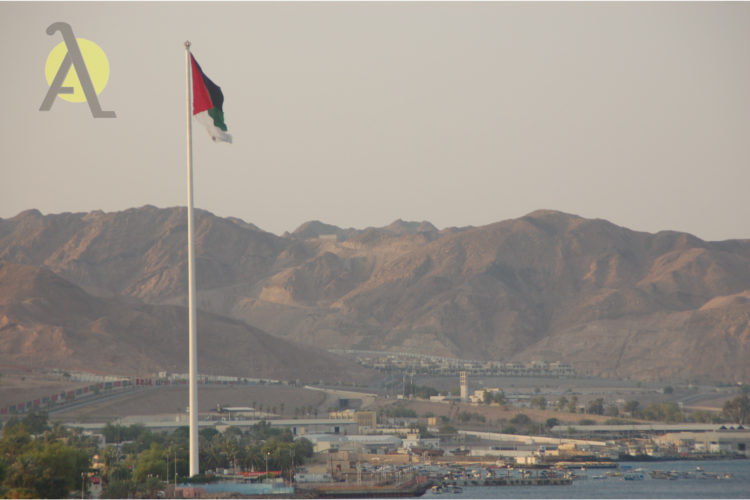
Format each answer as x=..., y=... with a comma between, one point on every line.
x=352, y=443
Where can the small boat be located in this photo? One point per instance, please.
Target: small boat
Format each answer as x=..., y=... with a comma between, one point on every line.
x=661, y=474
x=632, y=476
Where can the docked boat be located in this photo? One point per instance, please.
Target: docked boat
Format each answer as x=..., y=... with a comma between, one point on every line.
x=633, y=476
x=411, y=488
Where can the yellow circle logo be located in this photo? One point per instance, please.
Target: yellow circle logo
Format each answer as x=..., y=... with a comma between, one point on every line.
x=96, y=63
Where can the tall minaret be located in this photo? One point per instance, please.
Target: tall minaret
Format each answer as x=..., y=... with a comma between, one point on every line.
x=464, y=385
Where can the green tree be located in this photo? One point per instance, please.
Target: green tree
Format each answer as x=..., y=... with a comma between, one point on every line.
x=262, y=430
x=15, y=438
x=151, y=462
x=36, y=422
x=421, y=392
x=111, y=432
x=631, y=407
x=61, y=466
x=663, y=412
x=447, y=430
x=233, y=432
x=211, y=452
x=41, y=468
x=737, y=409
x=596, y=406
x=703, y=416
x=611, y=410
x=399, y=411
x=499, y=398
x=539, y=402
x=303, y=448
x=521, y=419
x=486, y=397
x=573, y=404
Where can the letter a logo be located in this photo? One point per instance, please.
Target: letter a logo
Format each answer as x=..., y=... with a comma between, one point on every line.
x=76, y=85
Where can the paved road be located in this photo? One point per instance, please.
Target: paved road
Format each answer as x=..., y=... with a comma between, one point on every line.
x=100, y=398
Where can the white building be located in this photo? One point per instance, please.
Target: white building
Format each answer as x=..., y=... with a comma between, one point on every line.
x=414, y=440
x=730, y=441
x=366, y=443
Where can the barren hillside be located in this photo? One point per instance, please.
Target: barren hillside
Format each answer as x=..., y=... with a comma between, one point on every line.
x=47, y=322
x=548, y=285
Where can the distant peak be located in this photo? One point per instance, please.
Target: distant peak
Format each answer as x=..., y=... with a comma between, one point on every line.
x=400, y=226
x=547, y=213
x=33, y=212
x=314, y=229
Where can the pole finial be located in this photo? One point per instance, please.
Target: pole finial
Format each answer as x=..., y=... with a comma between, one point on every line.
x=187, y=44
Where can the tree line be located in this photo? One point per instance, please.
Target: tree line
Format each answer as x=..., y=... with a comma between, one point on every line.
x=39, y=459
x=138, y=460
x=42, y=461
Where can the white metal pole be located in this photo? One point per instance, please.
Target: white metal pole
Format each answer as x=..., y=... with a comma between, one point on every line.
x=193, y=341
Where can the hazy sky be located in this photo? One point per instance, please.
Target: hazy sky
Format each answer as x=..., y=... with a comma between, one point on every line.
x=357, y=114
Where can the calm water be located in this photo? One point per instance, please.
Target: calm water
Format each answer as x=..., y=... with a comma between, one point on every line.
x=613, y=487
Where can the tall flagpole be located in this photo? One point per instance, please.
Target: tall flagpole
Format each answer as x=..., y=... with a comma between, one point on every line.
x=193, y=341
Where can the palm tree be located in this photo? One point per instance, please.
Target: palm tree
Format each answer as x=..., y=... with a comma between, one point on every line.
x=231, y=449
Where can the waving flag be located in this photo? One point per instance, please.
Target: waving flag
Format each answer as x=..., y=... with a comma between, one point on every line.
x=208, y=102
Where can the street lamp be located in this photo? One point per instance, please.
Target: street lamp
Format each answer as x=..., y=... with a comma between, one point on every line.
x=268, y=453
x=83, y=485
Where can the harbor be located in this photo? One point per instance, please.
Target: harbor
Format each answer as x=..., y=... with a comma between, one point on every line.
x=670, y=479
x=627, y=481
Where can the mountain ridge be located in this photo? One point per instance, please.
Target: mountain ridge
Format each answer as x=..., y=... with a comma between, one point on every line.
x=548, y=285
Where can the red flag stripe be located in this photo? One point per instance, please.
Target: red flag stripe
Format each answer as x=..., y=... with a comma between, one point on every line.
x=201, y=97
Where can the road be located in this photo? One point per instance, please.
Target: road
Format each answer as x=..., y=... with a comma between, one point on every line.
x=102, y=397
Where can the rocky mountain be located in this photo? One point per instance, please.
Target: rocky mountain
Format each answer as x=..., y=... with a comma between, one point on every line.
x=48, y=322
x=138, y=252
x=548, y=285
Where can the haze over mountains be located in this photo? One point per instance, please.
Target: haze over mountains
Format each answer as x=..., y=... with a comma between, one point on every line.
x=47, y=322
x=549, y=285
